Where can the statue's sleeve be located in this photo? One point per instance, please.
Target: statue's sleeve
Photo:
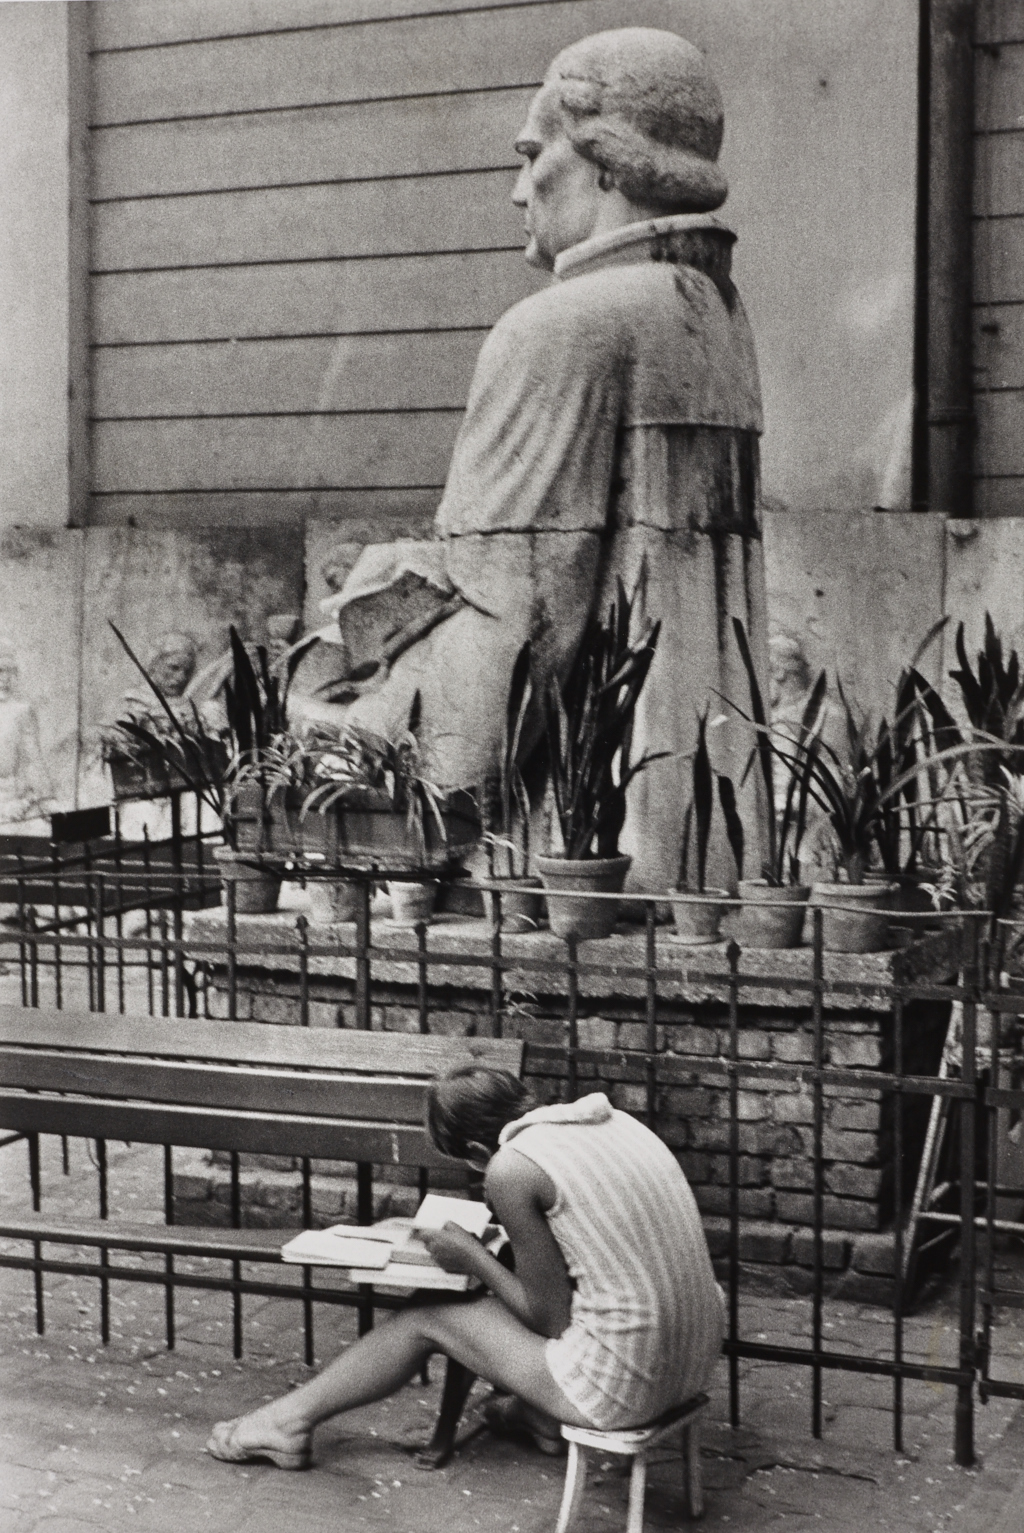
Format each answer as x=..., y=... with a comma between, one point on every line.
x=520, y=528
x=537, y=444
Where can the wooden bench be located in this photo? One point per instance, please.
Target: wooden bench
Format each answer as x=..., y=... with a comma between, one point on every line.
x=311, y=1093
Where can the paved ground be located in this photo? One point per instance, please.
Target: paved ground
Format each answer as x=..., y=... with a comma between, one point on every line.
x=95, y=1438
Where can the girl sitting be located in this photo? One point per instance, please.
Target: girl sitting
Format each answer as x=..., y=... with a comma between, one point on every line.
x=612, y=1314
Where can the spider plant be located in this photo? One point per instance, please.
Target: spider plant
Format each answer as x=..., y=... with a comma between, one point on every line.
x=589, y=722
x=982, y=847
x=252, y=747
x=341, y=769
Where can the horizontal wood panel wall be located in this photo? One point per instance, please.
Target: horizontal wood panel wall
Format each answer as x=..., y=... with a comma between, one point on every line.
x=301, y=231
x=999, y=260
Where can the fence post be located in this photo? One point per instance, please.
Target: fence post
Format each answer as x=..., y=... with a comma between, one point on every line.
x=968, y=1105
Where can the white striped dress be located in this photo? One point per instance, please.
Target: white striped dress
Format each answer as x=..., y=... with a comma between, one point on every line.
x=647, y=1315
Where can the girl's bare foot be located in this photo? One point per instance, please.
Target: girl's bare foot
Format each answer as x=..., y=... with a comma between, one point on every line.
x=265, y=1434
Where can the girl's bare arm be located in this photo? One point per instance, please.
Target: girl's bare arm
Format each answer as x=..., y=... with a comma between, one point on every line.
x=538, y=1292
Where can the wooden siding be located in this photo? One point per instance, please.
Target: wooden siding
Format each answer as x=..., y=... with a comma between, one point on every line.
x=301, y=231
x=999, y=260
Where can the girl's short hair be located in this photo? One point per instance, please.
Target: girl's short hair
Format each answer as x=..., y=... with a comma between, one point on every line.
x=471, y=1105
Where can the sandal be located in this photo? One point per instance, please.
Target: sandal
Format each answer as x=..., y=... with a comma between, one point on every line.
x=221, y=1445
x=508, y=1416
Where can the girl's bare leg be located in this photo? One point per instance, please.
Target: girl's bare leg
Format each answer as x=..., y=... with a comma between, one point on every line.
x=485, y=1337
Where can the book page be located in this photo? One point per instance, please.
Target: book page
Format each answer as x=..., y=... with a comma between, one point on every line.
x=435, y=1212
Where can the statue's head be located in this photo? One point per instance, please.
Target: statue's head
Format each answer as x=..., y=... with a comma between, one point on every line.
x=633, y=115
x=173, y=663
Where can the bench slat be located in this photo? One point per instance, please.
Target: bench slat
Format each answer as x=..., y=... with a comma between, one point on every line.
x=265, y=1043
x=388, y=1100
x=205, y=1128
x=182, y=1239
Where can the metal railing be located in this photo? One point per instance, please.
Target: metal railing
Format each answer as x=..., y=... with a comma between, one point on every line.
x=118, y=931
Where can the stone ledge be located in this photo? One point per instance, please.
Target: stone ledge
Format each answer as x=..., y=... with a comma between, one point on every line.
x=614, y=966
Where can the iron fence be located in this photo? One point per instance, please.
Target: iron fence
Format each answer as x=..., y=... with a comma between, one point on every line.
x=128, y=929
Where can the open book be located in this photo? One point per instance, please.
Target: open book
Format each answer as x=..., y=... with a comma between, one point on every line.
x=390, y=1253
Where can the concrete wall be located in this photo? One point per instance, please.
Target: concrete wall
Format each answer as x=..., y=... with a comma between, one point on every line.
x=858, y=590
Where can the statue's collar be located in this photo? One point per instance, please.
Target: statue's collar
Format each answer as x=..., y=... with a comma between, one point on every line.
x=673, y=238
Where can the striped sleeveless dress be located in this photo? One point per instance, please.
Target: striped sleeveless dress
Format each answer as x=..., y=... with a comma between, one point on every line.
x=647, y=1315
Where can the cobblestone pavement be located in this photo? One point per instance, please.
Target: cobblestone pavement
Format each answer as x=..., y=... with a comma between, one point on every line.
x=111, y=1438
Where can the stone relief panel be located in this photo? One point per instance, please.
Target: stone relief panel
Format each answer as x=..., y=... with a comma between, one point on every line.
x=333, y=546
x=174, y=596
x=985, y=573
x=40, y=635
x=855, y=592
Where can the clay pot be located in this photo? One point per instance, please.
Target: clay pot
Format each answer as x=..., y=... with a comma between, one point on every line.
x=257, y=889
x=332, y=900
x=697, y=915
x=412, y=904
x=571, y=914
x=521, y=903
x=859, y=919
x=772, y=917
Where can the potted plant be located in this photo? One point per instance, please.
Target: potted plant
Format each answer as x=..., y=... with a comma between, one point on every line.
x=993, y=700
x=234, y=766
x=516, y=900
x=696, y=908
x=589, y=727
x=366, y=803
x=150, y=756
x=773, y=906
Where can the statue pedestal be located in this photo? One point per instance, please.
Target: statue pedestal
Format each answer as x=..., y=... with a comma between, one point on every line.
x=775, y=1104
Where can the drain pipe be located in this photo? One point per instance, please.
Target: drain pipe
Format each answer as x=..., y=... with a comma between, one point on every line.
x=947, y=118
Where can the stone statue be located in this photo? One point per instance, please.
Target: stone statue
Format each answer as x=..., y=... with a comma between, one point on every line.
x=172, y=666
x=26, y=791
x=611, y=429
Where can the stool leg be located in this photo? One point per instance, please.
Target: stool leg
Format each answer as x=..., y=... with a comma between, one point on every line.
x=693, y=1482
x=637, y=1493
x=575, y=1485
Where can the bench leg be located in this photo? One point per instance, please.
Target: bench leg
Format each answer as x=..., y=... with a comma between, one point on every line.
x=637, y=1494
x=575, y=1485
x=693, y=1482
x=458, y=1381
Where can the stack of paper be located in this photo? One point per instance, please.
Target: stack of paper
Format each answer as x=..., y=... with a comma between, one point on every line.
x=389, y=1254
x=343, y=1245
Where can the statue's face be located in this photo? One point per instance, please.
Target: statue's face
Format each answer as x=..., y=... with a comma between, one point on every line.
x=557, y=188
x=172, y=671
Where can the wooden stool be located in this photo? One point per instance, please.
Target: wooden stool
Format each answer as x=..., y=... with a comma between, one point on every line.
x=635, y=1443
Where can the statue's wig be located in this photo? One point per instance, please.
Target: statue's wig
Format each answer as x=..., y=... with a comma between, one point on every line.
x=643, y=104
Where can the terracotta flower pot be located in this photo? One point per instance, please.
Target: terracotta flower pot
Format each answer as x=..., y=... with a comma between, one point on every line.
x=412, y=904
x=858, y=920
x=257, y=889
x=697, y=915
x=521, y=903
x=568, y=880
x=332, y=900
x=771, y=917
